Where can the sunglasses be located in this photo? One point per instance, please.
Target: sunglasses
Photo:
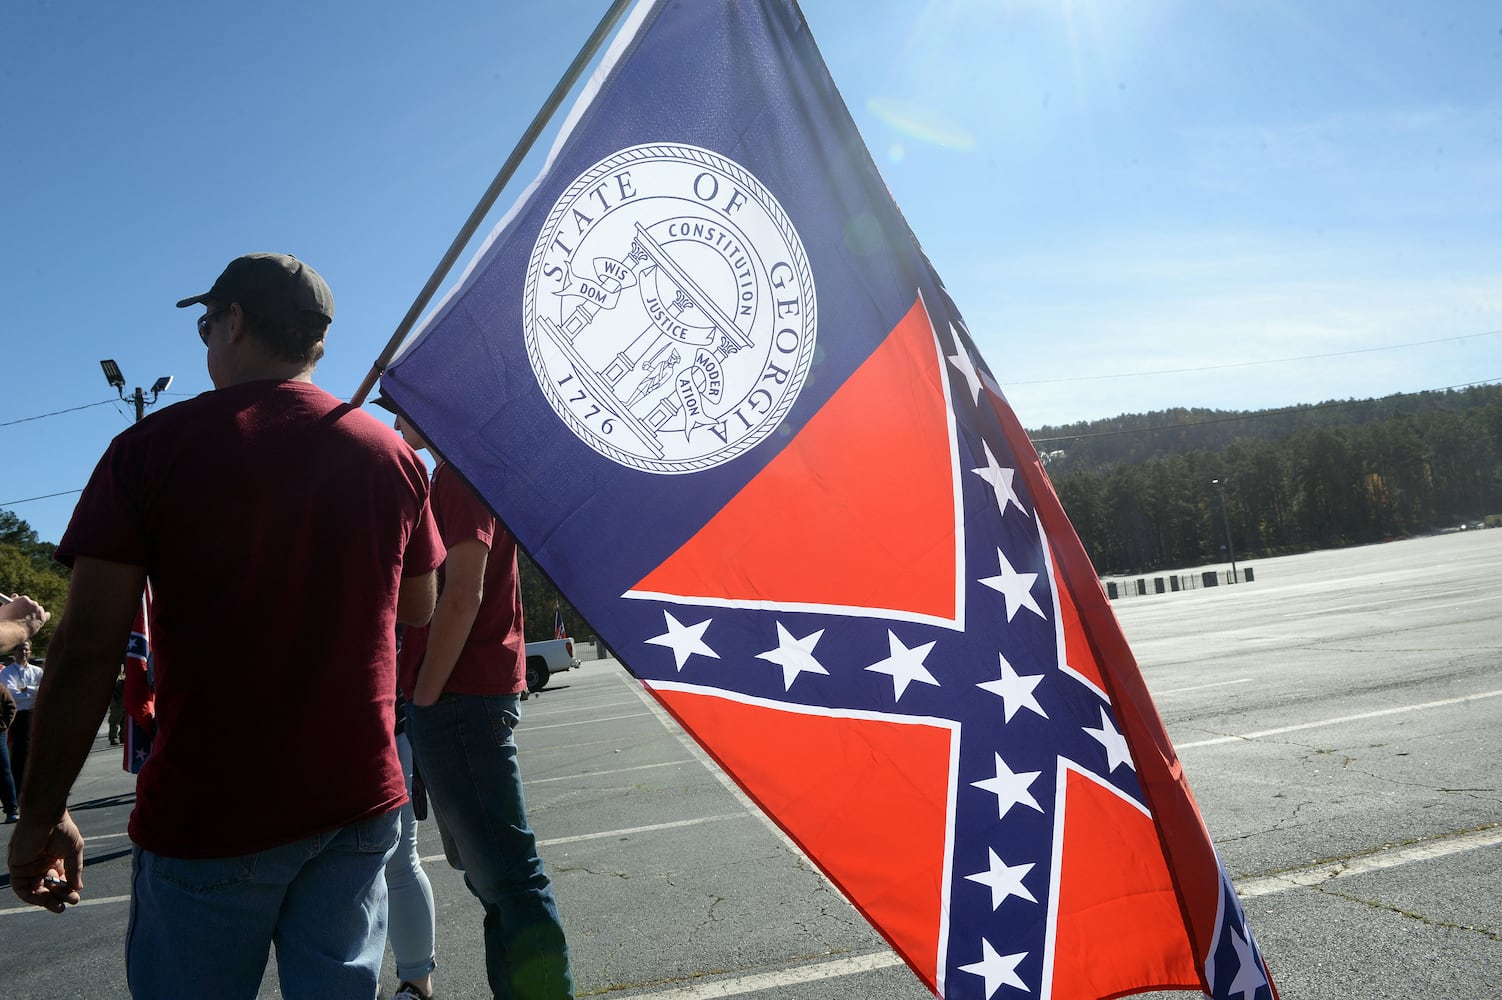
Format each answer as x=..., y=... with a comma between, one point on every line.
x=205, y=320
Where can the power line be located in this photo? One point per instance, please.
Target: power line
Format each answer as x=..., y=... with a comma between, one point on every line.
x=1249, y=364
x=54, y=413
x=1257, y=414
x=40, y=416
x=49, y=496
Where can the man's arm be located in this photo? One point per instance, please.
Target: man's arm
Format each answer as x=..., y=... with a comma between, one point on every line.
x=463, y=589
x=82, y=662
x=415, y=599
x=19, y=621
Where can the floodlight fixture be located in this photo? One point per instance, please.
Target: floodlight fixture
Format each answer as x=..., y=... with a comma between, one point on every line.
x=160, y=385
x=112, y=373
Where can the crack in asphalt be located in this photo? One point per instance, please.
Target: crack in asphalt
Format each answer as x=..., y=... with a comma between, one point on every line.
x=1376, y=904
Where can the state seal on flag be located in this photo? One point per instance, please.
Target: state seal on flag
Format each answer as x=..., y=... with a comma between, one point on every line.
x=669, y=309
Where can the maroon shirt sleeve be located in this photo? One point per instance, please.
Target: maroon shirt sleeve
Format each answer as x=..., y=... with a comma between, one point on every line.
x=462, y=515
x=425, y=551
x=492, y=661
x=107, y=523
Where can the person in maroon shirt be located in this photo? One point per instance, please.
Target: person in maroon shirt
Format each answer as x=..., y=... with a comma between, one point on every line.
x=267, y=515
x=463, y=676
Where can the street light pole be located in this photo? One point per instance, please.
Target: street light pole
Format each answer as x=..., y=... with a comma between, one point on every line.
x=116, y=379
x=1220, y=487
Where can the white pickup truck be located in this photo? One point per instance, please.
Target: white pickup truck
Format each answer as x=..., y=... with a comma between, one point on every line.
x=547, y=657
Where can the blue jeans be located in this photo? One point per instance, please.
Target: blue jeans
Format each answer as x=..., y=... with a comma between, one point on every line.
x=8, y=784
x=411, y=895
x=204, y=926
x=466, y=751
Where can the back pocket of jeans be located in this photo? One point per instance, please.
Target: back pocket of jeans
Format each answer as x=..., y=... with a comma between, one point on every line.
x=379, y=834
x=204, y=875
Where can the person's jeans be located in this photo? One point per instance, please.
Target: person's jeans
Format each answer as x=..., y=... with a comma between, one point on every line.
x=20, y=740
x=466, y=751
x=204, y=927
x=411, y=925
x=7, y=782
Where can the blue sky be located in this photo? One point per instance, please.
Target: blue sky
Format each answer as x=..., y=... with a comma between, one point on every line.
x=1108, y=187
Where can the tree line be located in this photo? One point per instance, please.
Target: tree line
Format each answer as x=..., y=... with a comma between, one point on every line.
x=1145, y=491
x=26, y=567
x=1310, y=478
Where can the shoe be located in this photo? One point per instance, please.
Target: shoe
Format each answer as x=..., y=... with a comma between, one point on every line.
x=12, y=817
x=406, y=991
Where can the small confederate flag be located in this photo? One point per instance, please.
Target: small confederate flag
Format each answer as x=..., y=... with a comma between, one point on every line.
x=711, y=383
x=140, y=696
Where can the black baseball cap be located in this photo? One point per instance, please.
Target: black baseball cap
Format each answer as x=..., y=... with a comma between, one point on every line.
x=274, y=286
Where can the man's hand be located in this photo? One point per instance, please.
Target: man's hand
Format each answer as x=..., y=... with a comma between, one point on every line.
x=46, y=862
x=458, y=606
x=19, y=620
x=426, y=691
x=23, y=609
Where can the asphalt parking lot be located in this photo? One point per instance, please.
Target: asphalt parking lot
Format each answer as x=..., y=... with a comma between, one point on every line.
x=1339, y=719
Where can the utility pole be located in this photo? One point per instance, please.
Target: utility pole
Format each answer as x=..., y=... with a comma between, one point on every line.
x=1220, y=487
x=116, y=380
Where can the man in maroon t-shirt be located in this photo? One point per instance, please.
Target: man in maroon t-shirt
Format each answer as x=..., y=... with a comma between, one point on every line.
x=462, y=677
x=267, y=515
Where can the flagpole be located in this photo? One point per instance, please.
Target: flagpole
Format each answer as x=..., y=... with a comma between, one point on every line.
x=467, y=232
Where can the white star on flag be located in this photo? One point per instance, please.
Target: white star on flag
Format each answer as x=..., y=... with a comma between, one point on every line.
x=1117, y=752
x=1010, y=788
x=997, y=970
x=905, y=665
x=1004, y=880
x=966, y=367
x=684, y=640
x=794, y=656
x=1015, y=691
x=1000, y=480
x=1015, y=587
x=1249, y=978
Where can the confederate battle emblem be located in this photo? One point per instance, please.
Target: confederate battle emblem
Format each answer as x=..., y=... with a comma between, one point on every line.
x=669, y=309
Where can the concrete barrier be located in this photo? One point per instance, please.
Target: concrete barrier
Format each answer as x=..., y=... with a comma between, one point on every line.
x=1141, y=586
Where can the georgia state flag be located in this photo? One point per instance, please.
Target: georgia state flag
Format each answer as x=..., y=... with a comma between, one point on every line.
x=706, y=376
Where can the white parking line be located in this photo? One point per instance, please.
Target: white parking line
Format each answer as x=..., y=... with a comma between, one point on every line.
x=581, y=722
x=1337, y=720
x=1246, y=889
x=1321, y=874
x=1201, y=687
x=1424, y=603
x=778, y=980
x=571, y=708
x=607, y=834
x=16, y=911
x=1315, y=875
x=639, y=829
x=595, y=774
x=1429, y=606
x=94, y=838
x=1345, y=607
